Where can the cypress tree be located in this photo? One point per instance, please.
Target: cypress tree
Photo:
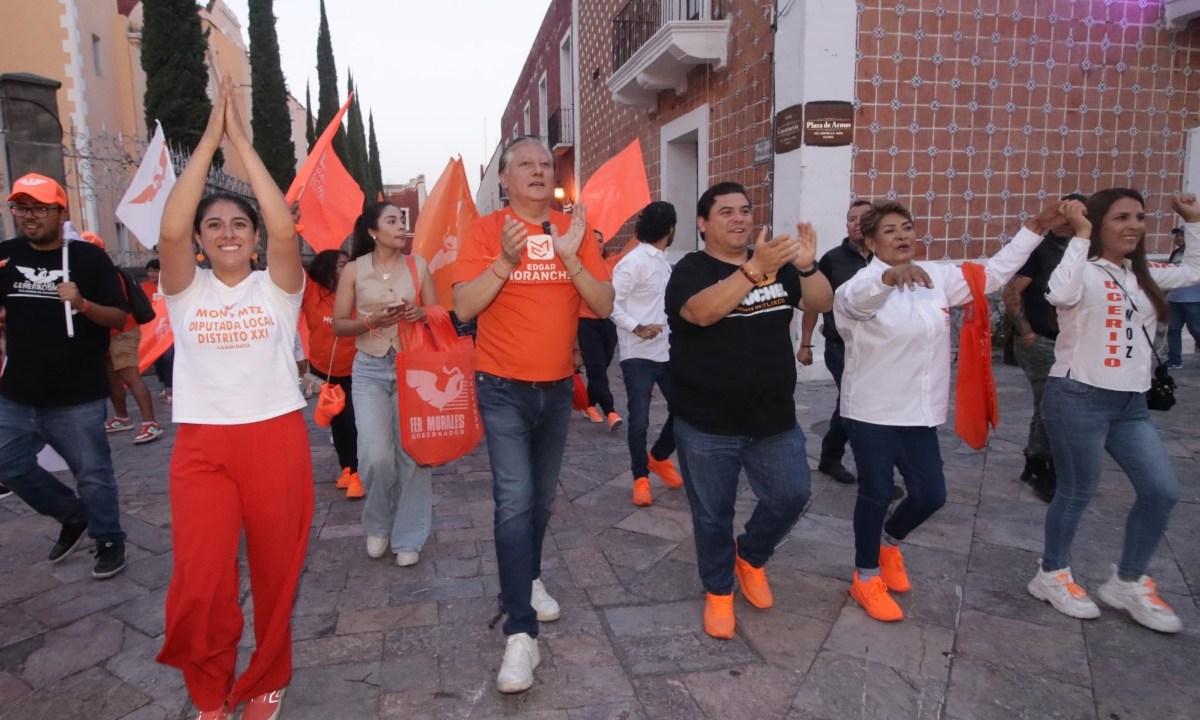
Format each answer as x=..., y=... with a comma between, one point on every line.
x=328, y=102
x=373, y=151
x=173, y=48
x=356, y=143
x=269, y=116
x=310, y=132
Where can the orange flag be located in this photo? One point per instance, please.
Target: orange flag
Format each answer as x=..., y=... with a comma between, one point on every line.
x=157, y=337
x=444, y=218
x=616, y=191
x=330, y=199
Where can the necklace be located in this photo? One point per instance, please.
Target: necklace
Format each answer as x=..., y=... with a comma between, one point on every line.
x=388, y=275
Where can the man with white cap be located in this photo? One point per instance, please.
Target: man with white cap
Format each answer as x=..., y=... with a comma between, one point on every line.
x=60, y=302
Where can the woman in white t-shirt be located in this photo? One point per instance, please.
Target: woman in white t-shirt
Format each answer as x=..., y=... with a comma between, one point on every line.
x=241, y=460
x=1109, y=299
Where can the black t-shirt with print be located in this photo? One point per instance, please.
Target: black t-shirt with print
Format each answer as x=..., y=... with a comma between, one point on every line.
x=44, y=367
x=1039, y=313
x=736, y=376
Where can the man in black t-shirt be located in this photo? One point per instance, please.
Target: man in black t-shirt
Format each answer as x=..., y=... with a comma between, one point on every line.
x=54, y=386
x=1035, y=323
x=733, y=377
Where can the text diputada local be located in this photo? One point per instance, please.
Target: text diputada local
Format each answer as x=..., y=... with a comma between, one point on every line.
x=231, y=326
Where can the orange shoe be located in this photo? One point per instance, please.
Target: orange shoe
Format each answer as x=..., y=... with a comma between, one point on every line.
x=665, y=470
x=641, y=492
x=891, y=569
x=343, y=480
x=593, y=414
x=354, y=490
x=718, y=616
x=872, y=594
x=753, y=582
x=614, y=422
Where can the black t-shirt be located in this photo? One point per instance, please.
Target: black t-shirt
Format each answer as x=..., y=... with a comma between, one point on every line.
x=44, y=367
x=839, y=265
x=736, y=376
x=1041, y=315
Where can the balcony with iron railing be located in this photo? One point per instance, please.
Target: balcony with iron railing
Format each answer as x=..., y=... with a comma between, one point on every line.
x=561, y=130
x=656, y=43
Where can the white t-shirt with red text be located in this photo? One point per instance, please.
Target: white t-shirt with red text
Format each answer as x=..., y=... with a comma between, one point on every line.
x=233, y=350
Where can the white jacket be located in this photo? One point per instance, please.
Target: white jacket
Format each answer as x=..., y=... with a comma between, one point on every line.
x=1100, y=336
x=898, y=341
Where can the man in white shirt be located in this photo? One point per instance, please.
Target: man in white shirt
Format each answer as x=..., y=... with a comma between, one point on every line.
x=640, y=282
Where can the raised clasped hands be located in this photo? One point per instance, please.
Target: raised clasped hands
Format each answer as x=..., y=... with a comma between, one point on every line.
x=1075, y=213
x=1185, y=204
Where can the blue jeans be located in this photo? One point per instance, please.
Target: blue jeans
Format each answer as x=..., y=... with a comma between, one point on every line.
x=526, y=431
x=833, y=445
x=399, y=502
x=1185, y=313
x=777, y=470
x=877, y=450
x=640, y=378
x=1083, y=421
x=77, y=433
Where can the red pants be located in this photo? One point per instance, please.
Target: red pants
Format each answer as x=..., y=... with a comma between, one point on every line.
x=224, y=478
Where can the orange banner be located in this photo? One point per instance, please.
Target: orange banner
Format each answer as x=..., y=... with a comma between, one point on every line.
x=157, y=337
x=616, y=191
x=443, y=220
x=330, y=199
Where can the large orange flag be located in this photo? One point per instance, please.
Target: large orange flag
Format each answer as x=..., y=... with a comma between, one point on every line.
x=616, y=191
x=444, y=218
x=330, y=199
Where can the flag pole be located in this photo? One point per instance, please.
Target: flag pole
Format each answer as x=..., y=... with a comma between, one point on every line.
x=66, y=266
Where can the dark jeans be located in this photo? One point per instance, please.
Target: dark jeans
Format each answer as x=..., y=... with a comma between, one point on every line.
x=1036, y=361
x=597, y=344
x=77, y=433
x=777, y=470
x=1083, y=422
x=877, y=450
x=1186, y=313
x=526, y=431
x=833, y=445
x=640, y=378
x=345, y=432
x=164, y=368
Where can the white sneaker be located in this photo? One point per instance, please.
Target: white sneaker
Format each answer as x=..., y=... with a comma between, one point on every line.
x=1060, y=590
x=405, y=558
x=520, y=658
x=546, y=606
x=1141, y=599
x=377, y=545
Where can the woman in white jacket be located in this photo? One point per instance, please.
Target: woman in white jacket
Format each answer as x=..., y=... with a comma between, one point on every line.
x=894, y=315
x=1108, y=299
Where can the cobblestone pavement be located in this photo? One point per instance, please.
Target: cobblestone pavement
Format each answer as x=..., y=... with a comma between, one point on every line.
x=376, y=641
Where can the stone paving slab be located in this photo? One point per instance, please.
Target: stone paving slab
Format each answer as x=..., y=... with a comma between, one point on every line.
x=376, y=641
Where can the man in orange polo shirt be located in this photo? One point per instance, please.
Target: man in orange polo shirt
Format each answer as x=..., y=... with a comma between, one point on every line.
x=524, y=272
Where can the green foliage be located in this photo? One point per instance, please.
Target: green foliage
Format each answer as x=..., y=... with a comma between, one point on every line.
x=310, y=132
x=173, y=47
x=356, y=145
x=269, y=118
x=328, y=98
x=373, y=152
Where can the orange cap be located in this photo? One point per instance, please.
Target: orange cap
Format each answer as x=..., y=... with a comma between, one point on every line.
x=93, y=238
x=40, y=188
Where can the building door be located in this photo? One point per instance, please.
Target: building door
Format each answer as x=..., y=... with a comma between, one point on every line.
x=684, y=167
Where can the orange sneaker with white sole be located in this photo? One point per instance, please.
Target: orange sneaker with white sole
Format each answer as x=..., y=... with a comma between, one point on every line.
x=593, y=414
x=718, y=616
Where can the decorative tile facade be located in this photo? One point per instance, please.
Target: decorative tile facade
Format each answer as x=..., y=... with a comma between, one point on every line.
x=975, y=113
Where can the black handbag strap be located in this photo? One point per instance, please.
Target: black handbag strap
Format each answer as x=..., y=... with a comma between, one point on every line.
x=1132, y=304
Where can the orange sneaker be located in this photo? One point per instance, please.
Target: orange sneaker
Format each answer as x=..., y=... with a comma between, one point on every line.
x=753, y=582
x=665, y=470
x=354, y=490
x=872, y=594
x=641, y=492
x=891, y=569
x=614, y=422
x=343, y=480
x=718, y=616
x=593, y=414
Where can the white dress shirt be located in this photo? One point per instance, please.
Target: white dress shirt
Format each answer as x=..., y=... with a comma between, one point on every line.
x=898, y=341
x=1100, y=336
x=640, y=282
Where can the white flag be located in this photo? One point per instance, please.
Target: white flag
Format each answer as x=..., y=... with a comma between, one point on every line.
x=142, y=207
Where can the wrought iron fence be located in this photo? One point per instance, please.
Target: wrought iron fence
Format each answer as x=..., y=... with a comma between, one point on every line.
x=639, y=20
x=561, y=128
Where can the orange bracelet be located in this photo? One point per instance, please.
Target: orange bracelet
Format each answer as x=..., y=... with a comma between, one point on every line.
x=492, y=265
x=84, y=307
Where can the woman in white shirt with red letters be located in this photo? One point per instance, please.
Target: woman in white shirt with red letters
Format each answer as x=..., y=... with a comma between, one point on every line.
x=1108, y=299
x=241, y=459
x=894, y=315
